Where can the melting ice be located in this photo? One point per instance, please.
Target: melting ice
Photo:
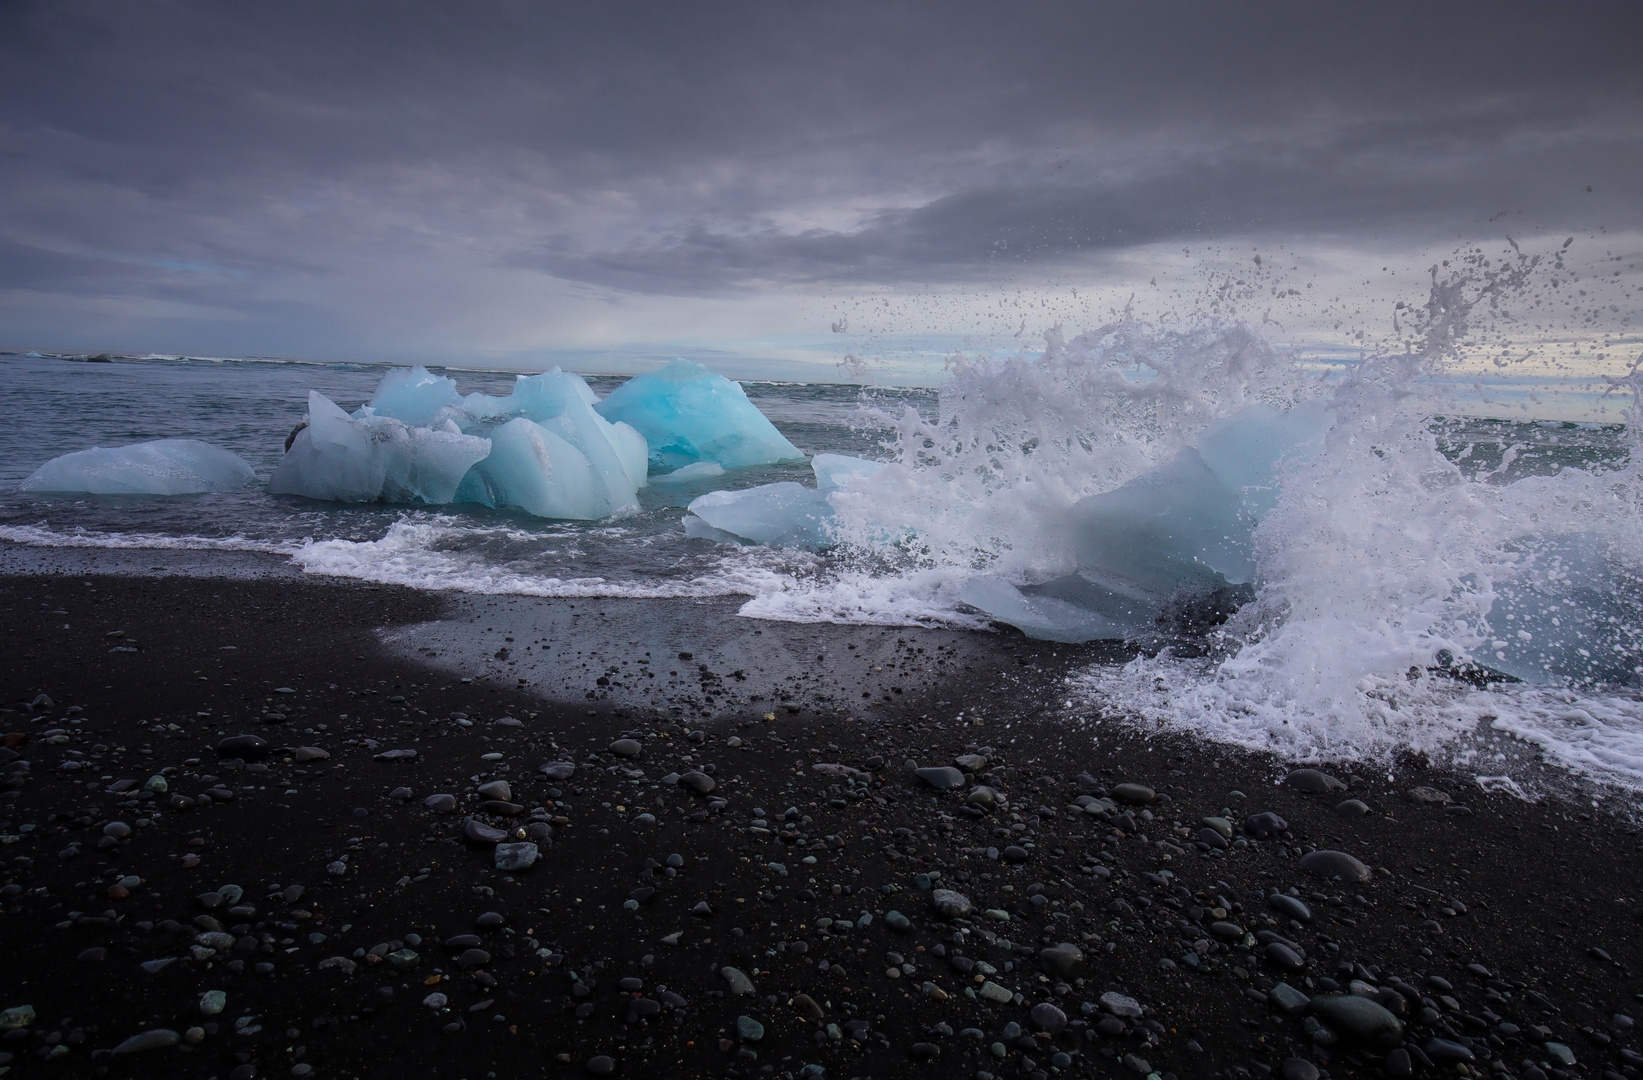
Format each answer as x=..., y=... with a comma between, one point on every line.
x=161, y=467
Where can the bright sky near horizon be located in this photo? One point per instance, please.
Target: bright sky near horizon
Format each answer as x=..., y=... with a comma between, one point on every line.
x=801, y=191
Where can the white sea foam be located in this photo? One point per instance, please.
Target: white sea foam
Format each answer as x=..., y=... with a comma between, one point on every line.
x=40, y=536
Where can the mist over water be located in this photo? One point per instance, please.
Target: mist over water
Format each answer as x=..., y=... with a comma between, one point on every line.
x=1425, y=579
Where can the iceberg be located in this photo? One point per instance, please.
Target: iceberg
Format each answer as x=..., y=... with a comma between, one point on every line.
x=160, y=467
x=542, y=448
x=1176, y=537
x=687, y=414
x=785, y=514
x=369, y=458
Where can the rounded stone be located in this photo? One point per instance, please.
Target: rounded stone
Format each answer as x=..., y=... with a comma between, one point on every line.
x=941, y=777
x=1289, y=907
x=1352, y=808
x=1265, y=825
x=627, y=748
x=482, y=835
x=749, y=1028
x=1046, y=1017
x=1064, y=961
x=156, y=1039
x=213, y=1002
x=1335, y=864
x=1313, y=782
x=1298, y=1069
x=440, y=804
x=950, y=904
x=1139, y=794
x=1359, y=1019
x=601, y=1065
x=699, y=782
x=244, y=747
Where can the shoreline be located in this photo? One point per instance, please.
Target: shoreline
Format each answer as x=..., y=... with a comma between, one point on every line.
x=1530, y=888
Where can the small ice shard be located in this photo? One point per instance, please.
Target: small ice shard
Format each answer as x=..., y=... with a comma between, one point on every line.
x=785, y=514
x=374, y=458
x=687, y=413
x=701, y=470
x=161, y=467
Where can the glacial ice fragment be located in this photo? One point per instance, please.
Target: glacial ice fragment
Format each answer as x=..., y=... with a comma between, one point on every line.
x=785, y=514
x=541, y=449
x=374, y=458
x=160, y=467
x=687, y=413
x=1182, y=530
x=541, y=472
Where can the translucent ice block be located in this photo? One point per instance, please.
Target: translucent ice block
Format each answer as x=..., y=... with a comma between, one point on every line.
x=161, y=467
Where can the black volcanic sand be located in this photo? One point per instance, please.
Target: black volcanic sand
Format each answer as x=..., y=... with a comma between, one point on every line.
x=1494, y=931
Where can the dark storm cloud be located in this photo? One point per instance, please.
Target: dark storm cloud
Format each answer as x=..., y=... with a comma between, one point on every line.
x=248, y=156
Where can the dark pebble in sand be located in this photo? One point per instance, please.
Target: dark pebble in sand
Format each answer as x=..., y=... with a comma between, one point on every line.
x=1289, y=907
x=1398, y=1063
x=1359, y=1019
x=1352, y=808
x=601, y=1065
x=490, y=920
x=1014, y=853
x=1047, y=1017
x=1334, y=864
x=403, y=794
x=244, y=747
x=1313, y=782
x=440, y=804
x=627, y=748
x=1298, y=1069
x=558, y=770
x=1065, y=961
x=1139, y=794
x=1285, y=957
x=475, y=832
x=700, y=783
x=941, y=777
x=1265, y=825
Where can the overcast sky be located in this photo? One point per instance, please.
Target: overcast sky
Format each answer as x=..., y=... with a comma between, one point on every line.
x=606, y=184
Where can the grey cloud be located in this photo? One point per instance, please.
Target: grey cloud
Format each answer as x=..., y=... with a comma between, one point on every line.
x=726, y=148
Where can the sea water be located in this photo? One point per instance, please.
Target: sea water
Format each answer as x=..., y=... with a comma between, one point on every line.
x=1466, y=587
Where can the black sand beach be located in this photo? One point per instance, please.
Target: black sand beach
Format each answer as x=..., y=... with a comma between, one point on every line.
x=740, y=876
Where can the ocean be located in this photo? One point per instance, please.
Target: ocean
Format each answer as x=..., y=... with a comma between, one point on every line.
x=1404, y=565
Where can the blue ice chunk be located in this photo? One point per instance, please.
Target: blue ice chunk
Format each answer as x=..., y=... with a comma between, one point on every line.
x=374, y=458
x=413, y=396
x=687, y=413
x=834, y=471
x=786, y=514
x=538, y=471
x=1185, y=528
x=701, y=470
x=161, y=467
